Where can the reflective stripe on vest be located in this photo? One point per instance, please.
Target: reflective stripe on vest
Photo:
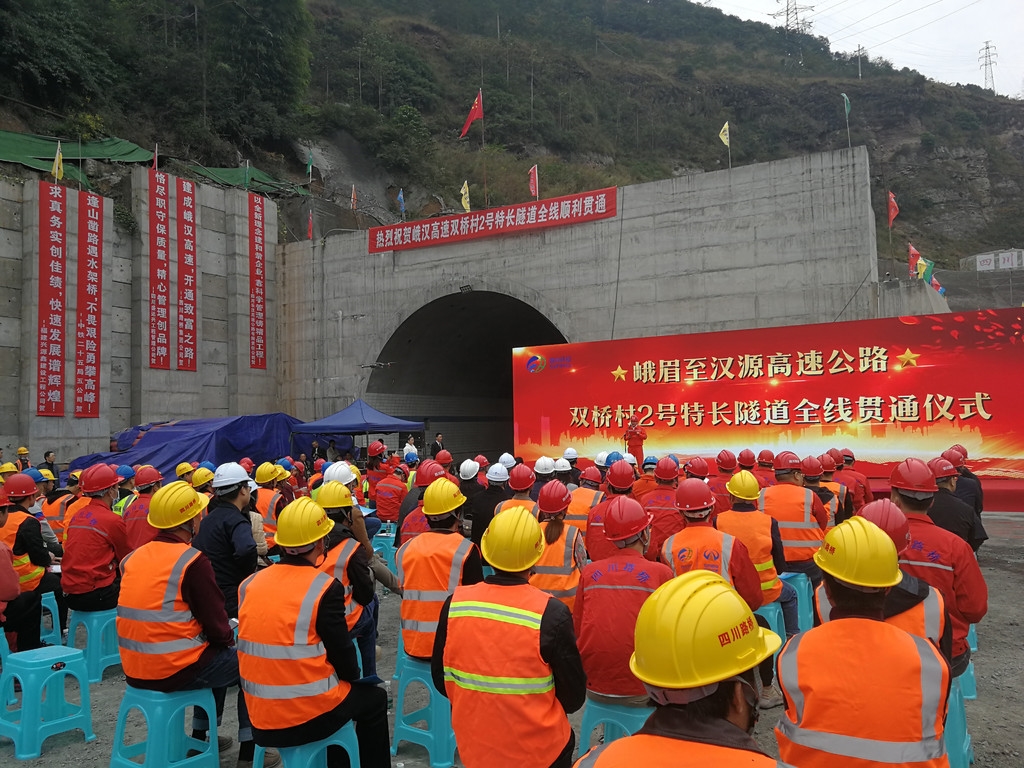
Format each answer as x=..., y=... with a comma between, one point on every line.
x=167, y=614
x=933, y=609
x=697, y=561
x=808, y=523
x=578, y=512
x=421, y=608
x=568, y=564
x=346, y=550
x=29, y=574
x=269, y=521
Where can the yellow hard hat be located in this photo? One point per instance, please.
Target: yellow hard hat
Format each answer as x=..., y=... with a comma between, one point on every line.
x=174, y=504
x=23, y=451
x=513, y=542
x=442, y=497
x=76, y=474
x=302, y=522
x=201, y=476
x=47, y=475
x=333, y=495
x=355, y=471
x=267, y=473
x=696, y=630
x=858, y=552
x=282, y=473
x=183, y=469
x=743, y=485
x=7, y=466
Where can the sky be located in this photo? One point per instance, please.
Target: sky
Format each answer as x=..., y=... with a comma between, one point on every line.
x=940, y=38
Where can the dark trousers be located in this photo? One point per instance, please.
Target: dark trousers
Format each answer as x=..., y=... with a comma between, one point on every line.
x=564, y=760
x=957, y=666
x=364, y=635
x=367, y=705
x=219, y=675
x=102, y=599
x=23, y=616
x=807, y=567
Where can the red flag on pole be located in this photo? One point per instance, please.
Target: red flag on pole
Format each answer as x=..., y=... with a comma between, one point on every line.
x=534, y=185
x=913, y=256
x=309, y=230
x=476, y=112
x=894, y=209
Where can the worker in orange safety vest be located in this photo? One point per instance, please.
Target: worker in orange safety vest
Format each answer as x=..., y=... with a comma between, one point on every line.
x=558, y=570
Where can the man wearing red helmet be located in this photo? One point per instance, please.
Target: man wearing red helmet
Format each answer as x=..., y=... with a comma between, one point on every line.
x=856, y=482
x=20, y=612
x=725, y=463
x=634, y=438
x=812, y=469
x=609, y=597
x=619, y=480
x=21, y=534
x=968, y=486
x=843, y=494
x=950, y=512
x=938, y=557
x=764, y=472
x=661, y=504
x=135, y=514
x=801, y=515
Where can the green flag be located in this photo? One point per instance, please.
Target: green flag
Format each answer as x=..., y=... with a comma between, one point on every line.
x=846, y=103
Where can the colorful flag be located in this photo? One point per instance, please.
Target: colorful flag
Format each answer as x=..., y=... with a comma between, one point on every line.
x=938, y=286
x=924, y=269
x=724, y=133
x=401, y=200
x=309, y=166
x=534, y=184
x=476, y=112
x=894, y=210
x=846, y=103
x=309, y=228
x=913, y=255
x=465, y=195
x=354, y=199
x=58, y=164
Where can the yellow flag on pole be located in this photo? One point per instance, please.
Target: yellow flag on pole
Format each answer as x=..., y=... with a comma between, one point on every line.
x=465, y=196
x=58, y=164
x=724, y=133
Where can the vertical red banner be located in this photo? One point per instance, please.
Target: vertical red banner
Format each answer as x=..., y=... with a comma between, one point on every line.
x=159, y=276
x=53, y=235
x=186, y=231
x=89, y=312
x=257, y=284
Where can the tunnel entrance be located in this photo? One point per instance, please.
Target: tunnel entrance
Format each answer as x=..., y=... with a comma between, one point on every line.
x=452, y=368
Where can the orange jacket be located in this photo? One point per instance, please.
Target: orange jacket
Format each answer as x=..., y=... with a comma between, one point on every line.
x=754, y=529
x=927, y=619
x=583, y=500
x=801, y=516
x=558, y=570
x=55, y=510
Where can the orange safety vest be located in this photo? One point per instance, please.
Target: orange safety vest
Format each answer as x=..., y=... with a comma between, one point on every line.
x=79, y=502
x=838, y=489
x=927, y=619
x=414, y=524
x=156, y=631
x=698, y=548
x=832, y=507
x=557, y=571
x=54, y=511
x=285, y=675
x=29, y=574
x=754, y=529
x=429, y=568
x=899, y=696
x=792, y=507
x=530, y=504
x=648, y=749
x=336, y=565
x=494, y=673
x=266, y=505
x=583, y=500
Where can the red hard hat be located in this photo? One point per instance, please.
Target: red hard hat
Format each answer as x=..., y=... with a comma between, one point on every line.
x=697, y=466
x=482, y=461
x=404, y=469
x=726, y=460
x=746, y=458
x=960, y=448
x=953, y=456
x=428, y=471
x=765, y=456
x=20, y=484
x=890, y=519
x=620, y=475
x=194, y=464
x=301, y=467
x=147, y=476
x=98, y=477
x=592, y=474
x=847, y=453
x=444, y=456
x=666, y=469
x=913, y=475
x=376, y=448
x=4, y=501
x=811, y=467
x=785, y=461
x=247, y=463
x=554, y=497
x=836, y=454
x=693, y=494
x=942, y=467
x=521, y=478
x=828, y=464
x=318, y=465
x=625, y=518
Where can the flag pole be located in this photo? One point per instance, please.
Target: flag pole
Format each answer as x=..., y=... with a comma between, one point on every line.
x=729, y=148
x=892, y=254
x=849, y=143
x=487, y=200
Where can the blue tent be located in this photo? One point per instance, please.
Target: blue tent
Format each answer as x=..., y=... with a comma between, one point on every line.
x=357, y=419
x=165, y=444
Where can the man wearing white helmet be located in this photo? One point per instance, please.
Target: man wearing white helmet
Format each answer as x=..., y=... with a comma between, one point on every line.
x=545, y=471
x=485, y=503
x=563, y=472
x=471, y=487
x=601, y=463
x=570, y=455
x=507, y=460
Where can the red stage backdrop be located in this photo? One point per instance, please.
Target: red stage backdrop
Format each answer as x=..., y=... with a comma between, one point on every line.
x=186, y=229
x=507, y=220
x=159, y=275
x=89, y=312
x=257, y=284
x=887, y=389
x=53, y=237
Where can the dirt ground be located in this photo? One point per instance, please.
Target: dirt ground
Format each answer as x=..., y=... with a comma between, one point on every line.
x=994, y=720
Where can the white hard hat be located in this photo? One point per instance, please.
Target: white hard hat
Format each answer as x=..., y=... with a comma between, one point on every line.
x=507, y=460
x=545, y=466
x=341, y=472
x=231, y=474
x=599, y=459
x=630, y=459
x=468, y=469
x=569, y=454
x=562, y=465
x=496, y=473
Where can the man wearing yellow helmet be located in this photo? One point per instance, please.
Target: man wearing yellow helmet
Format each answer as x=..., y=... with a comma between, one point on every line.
x=697, y=645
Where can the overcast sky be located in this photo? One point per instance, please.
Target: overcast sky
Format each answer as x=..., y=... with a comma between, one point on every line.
x=940, y=38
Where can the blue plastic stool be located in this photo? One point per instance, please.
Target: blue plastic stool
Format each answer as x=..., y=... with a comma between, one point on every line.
x=773, y=613
x=166, y=742
x=968, y=684
x=5, y=651
x=44, y=709
x=958, y=740
x=804, y=599
x=386, y=546
x=619, y=721
x=315, y=755
x=400, y=657
x=438, y=738
x=488, y=571
x=50, y=636
x=100, y=640
x=972, y=638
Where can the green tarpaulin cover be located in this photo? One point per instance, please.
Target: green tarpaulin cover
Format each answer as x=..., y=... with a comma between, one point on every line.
x=251, y=178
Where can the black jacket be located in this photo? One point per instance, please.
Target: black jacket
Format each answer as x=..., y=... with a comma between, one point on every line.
x=968, y=490
x=483, y=509
x=950, y=512
x=435, y=448
x=225, y=537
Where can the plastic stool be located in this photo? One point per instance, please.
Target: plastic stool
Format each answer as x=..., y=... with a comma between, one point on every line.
x=50, y=636
x=400, y=657
x=166, y=742
x=619, y=721
x=488, y=571
x=438, y=738
x=386, y=546
x=972, y=638
x=100, y=639
x=958, y=740
x=315, y=755
x=773, y=613
x=44, y=709
x=968, y=684
x=804, y=599
x=5, y=651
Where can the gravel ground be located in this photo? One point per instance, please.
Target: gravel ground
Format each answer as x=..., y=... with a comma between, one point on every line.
x=993, y=720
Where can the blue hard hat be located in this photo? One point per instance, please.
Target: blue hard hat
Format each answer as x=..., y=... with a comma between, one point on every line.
x=410, y=457
x=650, y=461
x=286, y=464
x=35, y=474
x=326, y=466
x=612, y=457
x=125, y=472
x=674, y=458
x=208, y=465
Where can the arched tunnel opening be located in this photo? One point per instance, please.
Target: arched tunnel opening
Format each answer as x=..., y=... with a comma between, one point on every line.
x=451, y=367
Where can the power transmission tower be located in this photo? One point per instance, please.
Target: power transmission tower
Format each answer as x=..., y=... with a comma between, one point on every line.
x=988, y=60
x=791, y=14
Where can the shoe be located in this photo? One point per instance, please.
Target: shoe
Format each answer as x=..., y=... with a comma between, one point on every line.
x=771, y=697
x=271, y=759
x=223, y=744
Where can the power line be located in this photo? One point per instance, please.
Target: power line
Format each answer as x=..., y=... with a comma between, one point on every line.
x=882, y=23
x=988, y=59
x=928, y=23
